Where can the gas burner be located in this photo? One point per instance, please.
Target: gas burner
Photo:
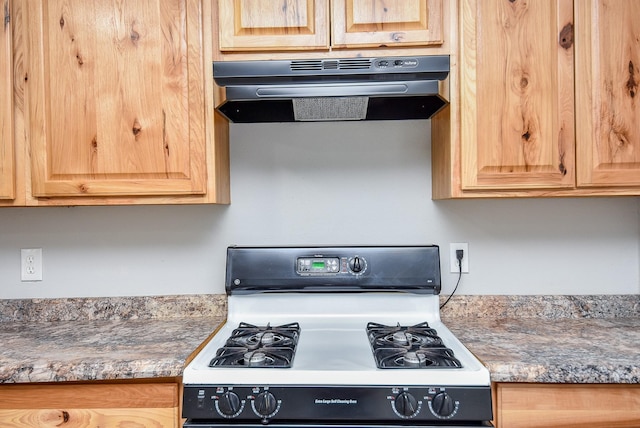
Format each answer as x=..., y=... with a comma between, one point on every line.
x=253, y=346
x=244, y=357
x=398, y=358
x=417, y=346
x=413, y=359
x=420, y=335
x=255, y=358
x=254, y=337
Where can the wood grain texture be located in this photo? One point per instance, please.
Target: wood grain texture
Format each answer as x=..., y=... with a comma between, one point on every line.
x=517, y=95
x=454, y=129
x=567, y=406
x=274, y=51
x=608, y=92
x=89, y=395
x=7, y=152
x=247, y=25
x=386, y=23
x=88, y=418
x=116, y=101
x=214, y=169
x=89, y=405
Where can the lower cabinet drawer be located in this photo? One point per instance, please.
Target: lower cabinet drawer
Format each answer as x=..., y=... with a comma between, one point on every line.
x=561, y=405
x=90, y=405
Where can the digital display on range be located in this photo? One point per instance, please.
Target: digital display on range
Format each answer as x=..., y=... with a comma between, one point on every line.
x=318, y=265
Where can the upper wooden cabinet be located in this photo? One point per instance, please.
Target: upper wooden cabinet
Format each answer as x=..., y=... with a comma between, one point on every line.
x=248, y=25
x=258, y=24
x=116, y=98
x=7, y=155
x=386, y=23
x=516, y=94
x=110, y=104
x=543, y=101
x=608, y=92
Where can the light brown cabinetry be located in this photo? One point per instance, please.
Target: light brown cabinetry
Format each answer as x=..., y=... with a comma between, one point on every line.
x=516, y=100
x=515, y=127
x=117, y=104
x=256, y=24
x=566, y=406
x=247, y=25
x=90, y=405
x=386, y=23
x=608, y=92
x=7, y=156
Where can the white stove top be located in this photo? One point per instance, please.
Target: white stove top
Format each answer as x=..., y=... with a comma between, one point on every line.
x=333, y=348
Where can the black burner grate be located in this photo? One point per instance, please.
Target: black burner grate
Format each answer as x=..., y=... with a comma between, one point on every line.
x=413, y=347
x=253, y=346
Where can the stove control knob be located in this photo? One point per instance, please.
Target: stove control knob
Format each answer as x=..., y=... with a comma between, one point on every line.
x=443, y=405
x=229, y=404
x=265, y=404
x=406, y=404
x=357, y=264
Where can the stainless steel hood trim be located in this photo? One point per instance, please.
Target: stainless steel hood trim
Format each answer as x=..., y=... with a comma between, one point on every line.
x=432, y=67
x=250, y=92
x=332, y=90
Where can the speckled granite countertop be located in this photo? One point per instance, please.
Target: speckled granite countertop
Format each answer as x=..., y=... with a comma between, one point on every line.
x=103, y=339
x=557, y=339
x=555, y=351
x=551, y=339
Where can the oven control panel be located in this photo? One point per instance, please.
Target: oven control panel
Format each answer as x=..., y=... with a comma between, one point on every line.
x=319, y=265
x=252, y=270
x=337, y=404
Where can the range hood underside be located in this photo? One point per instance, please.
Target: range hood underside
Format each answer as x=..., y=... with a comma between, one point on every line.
x=332, y=109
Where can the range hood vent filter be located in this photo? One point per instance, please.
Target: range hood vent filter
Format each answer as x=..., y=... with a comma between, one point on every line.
x=329, y=109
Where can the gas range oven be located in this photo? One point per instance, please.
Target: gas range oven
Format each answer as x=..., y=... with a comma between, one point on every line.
x=335, y=337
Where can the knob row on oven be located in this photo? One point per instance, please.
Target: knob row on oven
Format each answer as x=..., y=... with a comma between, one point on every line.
x=264, y=404
x=441, y=405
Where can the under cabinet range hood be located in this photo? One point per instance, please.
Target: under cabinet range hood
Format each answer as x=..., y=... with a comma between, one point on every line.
x=383, y=88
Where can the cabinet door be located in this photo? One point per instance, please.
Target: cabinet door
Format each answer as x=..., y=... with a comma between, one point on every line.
x=516, y=78
x=389, y=23
x=247, y=25
x=608, y=92
x=7, y=157
x=115, y=97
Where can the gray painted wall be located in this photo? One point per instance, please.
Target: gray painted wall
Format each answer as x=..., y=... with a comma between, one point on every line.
x=345, y=183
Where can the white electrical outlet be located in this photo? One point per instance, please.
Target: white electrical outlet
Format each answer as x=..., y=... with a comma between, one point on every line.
x=464, y=246
x=31, y=264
